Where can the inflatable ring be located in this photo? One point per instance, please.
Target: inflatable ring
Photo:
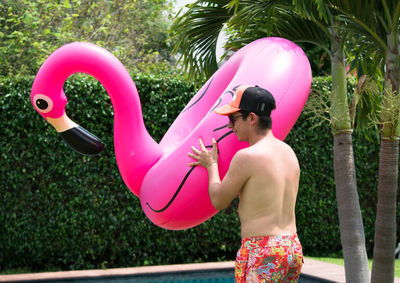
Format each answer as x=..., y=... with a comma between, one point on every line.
x=173, y=195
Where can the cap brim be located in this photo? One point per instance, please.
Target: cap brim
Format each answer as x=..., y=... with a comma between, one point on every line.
x=226, y=110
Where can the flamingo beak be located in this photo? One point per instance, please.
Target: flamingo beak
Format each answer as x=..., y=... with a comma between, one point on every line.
x=76, y=137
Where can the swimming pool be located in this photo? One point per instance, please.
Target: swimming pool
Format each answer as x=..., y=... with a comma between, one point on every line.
x=221, y=272
x=216, y=276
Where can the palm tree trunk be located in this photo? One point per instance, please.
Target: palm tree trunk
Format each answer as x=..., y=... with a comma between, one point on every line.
x=385, y=223
x=350, y=218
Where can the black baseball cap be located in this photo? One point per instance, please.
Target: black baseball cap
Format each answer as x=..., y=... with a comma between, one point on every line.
x=250, y=98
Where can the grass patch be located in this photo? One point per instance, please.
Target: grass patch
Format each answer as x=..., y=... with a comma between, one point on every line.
x=14, y=271
x=340, y=261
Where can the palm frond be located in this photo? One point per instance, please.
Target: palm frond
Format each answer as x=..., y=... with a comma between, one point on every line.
x=314, y=10
x=367, y=19
x=396, y=19
x=249, y=11
x=293, y=26
x=196, y=33
x=369, y=96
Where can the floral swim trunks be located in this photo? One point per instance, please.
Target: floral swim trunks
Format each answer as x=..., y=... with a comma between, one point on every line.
x=269, y=259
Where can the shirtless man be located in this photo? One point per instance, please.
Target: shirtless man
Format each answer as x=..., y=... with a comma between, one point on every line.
x=265, y=175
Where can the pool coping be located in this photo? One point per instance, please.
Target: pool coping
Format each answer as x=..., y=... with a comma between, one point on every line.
x=327, y=271
x=117, y=272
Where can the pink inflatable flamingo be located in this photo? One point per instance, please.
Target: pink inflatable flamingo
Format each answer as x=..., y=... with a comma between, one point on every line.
x=173, y=195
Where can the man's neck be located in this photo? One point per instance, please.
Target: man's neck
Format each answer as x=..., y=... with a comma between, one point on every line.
x=258, y=136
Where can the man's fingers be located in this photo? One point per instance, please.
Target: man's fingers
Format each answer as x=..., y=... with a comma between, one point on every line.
x=214, y=145
x=193, y=156
x=202, y=147
x=195, y=150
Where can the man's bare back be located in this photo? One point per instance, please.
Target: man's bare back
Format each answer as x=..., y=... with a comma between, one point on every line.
x=268, y=197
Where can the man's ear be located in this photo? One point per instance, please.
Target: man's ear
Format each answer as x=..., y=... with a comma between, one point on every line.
x=253, y=118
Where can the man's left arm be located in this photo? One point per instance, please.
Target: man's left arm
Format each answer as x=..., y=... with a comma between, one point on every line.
x=221, y=192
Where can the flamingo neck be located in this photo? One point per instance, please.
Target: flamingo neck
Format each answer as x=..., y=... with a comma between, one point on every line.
x=135, y=150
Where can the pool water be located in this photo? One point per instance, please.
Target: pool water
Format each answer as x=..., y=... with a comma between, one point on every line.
x=209, y=276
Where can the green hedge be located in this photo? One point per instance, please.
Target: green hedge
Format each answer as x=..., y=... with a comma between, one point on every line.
x=63, y=211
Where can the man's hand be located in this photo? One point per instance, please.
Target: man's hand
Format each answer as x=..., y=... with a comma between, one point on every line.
x=203, y=156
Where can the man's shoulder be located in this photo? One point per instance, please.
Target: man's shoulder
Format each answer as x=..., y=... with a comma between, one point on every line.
x=242, y=156
x=244, y=152
x=247, y=154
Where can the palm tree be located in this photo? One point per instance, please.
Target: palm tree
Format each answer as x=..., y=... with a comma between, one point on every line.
x=196, y=33
x=306, y=21
x=380, y=32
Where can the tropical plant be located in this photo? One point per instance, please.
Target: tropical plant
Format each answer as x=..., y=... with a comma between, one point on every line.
x=380, y=36
x=195, y=33
x=316, y=22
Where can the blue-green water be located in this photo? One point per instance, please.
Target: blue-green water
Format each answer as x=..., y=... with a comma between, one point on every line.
x=212, y=276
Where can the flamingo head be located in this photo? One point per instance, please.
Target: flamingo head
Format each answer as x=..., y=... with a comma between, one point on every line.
x=50, y=101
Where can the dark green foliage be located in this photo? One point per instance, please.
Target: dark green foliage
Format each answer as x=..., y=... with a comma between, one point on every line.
x=63, y=211
x=134, y=31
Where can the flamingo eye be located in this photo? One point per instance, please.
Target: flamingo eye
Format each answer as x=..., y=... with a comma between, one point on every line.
x=43, y=103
